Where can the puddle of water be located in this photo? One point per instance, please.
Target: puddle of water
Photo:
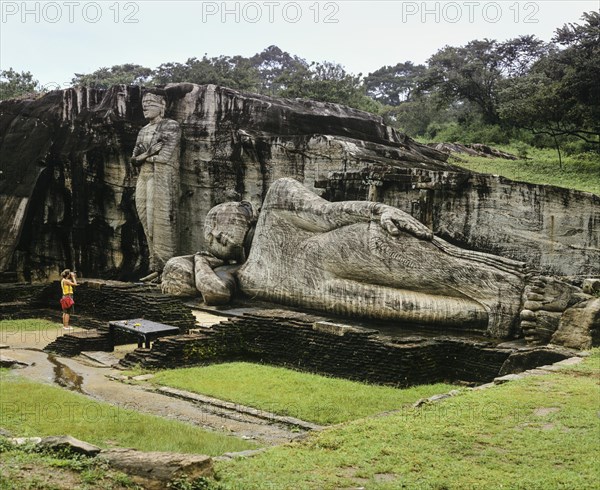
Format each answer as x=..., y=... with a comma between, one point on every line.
x=64, y=376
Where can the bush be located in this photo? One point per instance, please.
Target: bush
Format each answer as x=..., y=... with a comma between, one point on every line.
x=473, y=133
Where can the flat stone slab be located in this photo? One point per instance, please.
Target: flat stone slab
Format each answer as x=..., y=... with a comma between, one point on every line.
x=107, y=359
x=4, y=346
x=153, y=470
x=69, y=443
x=235, y=407
x=58, y=443
x=9, y=362
x=571, y=361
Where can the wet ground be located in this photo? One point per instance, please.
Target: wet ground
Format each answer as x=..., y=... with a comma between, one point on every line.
x=91, y=374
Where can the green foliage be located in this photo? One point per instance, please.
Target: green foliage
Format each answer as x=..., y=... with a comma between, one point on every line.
x=128, y=74
x=185, y=483
x=392, y=85
x=536, y=433
x=466, y=134
x=14, y=84
x=306, y=396
x=560, y=96
x=580, y=170
x=272, y=64
x=467, y=73
x=327, y=82
x=229, y=71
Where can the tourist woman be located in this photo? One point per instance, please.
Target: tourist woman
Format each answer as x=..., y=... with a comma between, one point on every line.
x=67, y=282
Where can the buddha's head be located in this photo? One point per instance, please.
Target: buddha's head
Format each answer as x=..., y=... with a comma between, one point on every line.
x=228, y=230
x=153, y=105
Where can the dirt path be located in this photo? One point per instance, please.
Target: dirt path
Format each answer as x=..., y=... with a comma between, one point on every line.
x=90, y=379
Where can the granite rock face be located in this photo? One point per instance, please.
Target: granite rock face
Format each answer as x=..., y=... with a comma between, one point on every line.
x=553, y=229
x=67, y=186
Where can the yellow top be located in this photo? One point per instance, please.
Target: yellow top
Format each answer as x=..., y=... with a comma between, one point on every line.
x=66, y=288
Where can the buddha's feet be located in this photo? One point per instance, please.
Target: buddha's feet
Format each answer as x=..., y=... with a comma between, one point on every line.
x=544, y=301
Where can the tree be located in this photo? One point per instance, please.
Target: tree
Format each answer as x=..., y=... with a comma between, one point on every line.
x=560, y=95
x=533, y=102
x=469, y=73
x=128, y=74
x=519, y=55
x=13, y=84
x=272, y=63
x=234, y=72
x=327, y=82
x=577, y=69
x=475, y=71
x=392, y=85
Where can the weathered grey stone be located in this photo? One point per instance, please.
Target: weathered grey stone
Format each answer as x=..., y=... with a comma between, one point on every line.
x=591, y=286
x=505, y=379
x=154, y=470
x=543, y=309
x=68, y=443
x=579, y=326
x=21, y=441
x=521, y=361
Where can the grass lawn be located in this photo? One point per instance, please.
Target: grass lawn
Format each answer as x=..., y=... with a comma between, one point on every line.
x=536, y=433
x=306, y=396
x=581, y=172
x=35, y=409
x=26, y=325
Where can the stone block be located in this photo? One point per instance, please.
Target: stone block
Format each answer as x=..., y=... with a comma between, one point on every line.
x=70, y=444
x=154, y=470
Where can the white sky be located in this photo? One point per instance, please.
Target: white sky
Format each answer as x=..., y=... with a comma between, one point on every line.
x=54, y=40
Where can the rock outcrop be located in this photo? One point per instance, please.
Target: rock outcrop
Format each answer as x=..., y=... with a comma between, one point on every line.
x=67, y=186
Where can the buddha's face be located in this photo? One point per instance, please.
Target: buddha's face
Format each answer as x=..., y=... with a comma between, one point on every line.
x=225, y=230
x=152, y=108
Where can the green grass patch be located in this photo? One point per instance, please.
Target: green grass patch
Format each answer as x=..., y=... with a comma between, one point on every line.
x=35, y=409
x=535, y=433
x=309, y=397
x=26, y=325
x=580, y=171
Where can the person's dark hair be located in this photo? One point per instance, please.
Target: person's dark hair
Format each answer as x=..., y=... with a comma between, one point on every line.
x=66, y=273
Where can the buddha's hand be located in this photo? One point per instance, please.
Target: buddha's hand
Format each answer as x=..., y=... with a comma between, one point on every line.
x=394, y=221
x=210, y=259
x=154, y=149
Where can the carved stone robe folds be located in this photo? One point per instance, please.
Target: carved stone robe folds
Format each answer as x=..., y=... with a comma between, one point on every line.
x=338, y=258
x=157, y=190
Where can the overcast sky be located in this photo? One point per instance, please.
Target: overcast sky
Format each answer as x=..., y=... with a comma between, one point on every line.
x=54, y=40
